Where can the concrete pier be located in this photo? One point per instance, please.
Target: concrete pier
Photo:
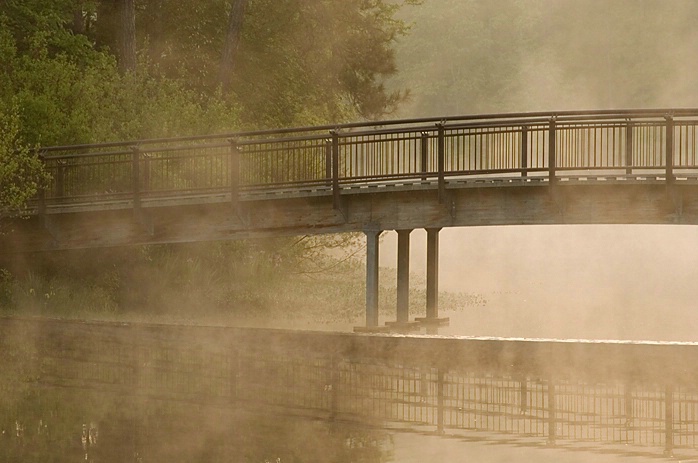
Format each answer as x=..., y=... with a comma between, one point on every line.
x=402, y=321
x=403, y=276
x=372, y=247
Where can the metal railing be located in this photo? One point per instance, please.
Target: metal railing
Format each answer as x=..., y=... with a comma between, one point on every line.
x=643, y=394
x=549, y=147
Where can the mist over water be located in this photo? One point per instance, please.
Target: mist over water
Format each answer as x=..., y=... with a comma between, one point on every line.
x=581, y=282
x=566, y=282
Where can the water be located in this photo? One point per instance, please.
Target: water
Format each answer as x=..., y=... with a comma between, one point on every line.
x=70, y=425
x=151, y=393
x=65, y=425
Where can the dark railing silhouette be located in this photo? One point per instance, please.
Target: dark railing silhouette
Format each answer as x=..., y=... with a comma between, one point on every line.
x=639, y=394
x=659, y=145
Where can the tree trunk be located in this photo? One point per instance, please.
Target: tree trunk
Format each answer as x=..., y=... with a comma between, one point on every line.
x=78, y=20
x=232, y=42
x=127, y=35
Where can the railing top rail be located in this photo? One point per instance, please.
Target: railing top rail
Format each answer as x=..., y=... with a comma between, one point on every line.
x=474, y=119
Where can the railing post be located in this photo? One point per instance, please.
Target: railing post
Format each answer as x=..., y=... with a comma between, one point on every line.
x=628, y=399
x=328, y=162
x=234, y=374
x=136, y=179
x=424, y=153
x=668, y=420
x=60, y=179
x=335, y=169
x=146, y=173
x=441, y=153
x=334, y=386
x=552, y=413
x=42, y=191
x=552, y=158
x=440, y=401
x=669, y=149
x=234, y=171
x=523, y=391
x=629, y=148
x=524, y=151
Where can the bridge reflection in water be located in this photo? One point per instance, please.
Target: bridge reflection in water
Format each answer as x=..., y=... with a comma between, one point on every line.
x=640, y=394
x=69, y=388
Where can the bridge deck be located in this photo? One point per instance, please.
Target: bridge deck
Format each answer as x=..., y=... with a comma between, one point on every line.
x=264, y=194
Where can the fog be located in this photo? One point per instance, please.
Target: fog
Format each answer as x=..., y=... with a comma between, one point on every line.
x=634, y=282
x=471, y=57
x=601, y=282
x=562, y=281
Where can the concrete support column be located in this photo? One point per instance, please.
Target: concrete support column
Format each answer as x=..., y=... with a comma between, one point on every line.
x=432, y=320
x=433, y=273
x=372, y=244
x=403, y=275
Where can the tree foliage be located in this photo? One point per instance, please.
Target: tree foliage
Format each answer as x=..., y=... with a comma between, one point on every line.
x=63, y=81
x=21, y=173
x=297, y=62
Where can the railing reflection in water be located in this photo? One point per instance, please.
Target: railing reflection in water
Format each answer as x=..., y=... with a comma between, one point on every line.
x=640, y=394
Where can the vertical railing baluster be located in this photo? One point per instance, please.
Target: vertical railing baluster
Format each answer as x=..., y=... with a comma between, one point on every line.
x=441, y=152
x=669, y=155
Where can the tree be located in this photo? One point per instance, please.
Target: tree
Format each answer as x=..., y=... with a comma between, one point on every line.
x=298, y=62
x=285, y=62
x=315, y=57
x=232, y=42
x=127, y=35
x=21, y=171
x=115, y=30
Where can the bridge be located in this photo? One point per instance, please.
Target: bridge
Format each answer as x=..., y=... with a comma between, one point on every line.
x=573, y=167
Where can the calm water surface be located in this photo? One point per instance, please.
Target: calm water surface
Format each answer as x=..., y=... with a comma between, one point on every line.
x=59, y=425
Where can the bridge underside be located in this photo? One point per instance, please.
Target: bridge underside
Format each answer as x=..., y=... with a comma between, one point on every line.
x=216, y=218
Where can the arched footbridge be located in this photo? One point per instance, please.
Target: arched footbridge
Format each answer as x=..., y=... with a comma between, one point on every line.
x=571, y=167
